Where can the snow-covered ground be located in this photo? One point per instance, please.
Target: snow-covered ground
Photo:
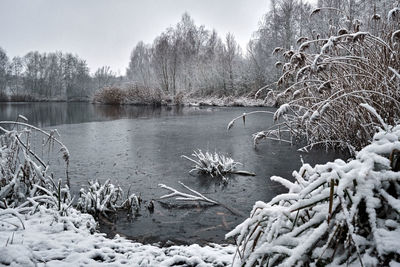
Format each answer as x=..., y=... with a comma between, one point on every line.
x=46, y=239
x=225, y=102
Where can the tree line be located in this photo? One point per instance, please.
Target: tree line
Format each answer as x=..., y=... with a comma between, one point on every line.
x=192, y=60
x=189, y=59
x=50, y=76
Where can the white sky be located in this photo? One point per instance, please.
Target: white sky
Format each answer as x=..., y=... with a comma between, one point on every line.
x=104, y=32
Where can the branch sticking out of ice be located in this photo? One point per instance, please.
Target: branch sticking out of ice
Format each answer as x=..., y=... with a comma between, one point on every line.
x=195, y=197
x=243, y=117
x=184, y=196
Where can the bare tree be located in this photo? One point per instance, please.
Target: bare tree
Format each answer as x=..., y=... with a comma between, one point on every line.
x=16, y=69
x=104, y=77
x=3, y=71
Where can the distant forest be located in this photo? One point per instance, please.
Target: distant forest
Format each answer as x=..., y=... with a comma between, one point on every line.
x=189, y=59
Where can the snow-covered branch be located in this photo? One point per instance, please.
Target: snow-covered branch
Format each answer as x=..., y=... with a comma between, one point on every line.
x=338, y=213
x=185, y=196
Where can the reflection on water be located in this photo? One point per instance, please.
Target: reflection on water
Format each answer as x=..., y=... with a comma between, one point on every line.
x=57, y=113
x=141, y=147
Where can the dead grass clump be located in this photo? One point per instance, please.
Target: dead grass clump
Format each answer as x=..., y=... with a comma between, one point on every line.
x=110, y=95
x=104, y=198
x=215, y=165
x=137, y=94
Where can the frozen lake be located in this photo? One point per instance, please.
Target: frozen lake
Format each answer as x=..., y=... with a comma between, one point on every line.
x=140, y=147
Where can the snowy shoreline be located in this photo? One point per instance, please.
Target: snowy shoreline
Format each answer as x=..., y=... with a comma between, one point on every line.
x=45, y=238
x=191, y=102
x=196, y=102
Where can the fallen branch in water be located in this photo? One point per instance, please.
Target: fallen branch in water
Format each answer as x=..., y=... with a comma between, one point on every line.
x=197, y=197
x=245, y=173
x=186, y=197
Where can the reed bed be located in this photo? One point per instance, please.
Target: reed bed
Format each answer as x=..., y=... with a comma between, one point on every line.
x=331, y=89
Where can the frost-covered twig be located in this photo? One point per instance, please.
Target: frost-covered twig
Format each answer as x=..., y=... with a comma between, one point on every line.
x=375, y=113
x=243, y=117
x=49, y=135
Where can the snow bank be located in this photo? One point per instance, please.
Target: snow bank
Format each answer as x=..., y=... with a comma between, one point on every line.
x=53, y=240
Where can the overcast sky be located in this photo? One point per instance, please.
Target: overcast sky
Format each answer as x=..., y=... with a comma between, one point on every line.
x=103, y=32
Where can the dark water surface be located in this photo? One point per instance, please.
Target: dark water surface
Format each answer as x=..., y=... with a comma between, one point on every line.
x=140, y=147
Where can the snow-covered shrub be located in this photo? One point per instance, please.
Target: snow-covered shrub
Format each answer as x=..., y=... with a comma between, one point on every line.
x=214, y=164
x=110, y=95
x=337, y=214
x=136, y=94
x=103, y=198
x=129, y=94
x=324, y=82
x=24, y=178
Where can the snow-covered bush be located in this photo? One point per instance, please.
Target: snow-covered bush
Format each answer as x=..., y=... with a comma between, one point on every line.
x=337, y=214
x=322, y=91
x=103, y=198
x=136, y=94
x=214, y=164
x=129, y=94
x=110, y=95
